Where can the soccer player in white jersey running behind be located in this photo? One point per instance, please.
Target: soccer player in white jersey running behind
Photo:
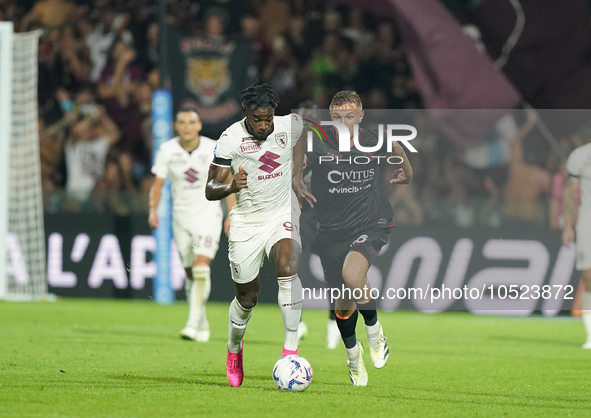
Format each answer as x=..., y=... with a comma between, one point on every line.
x=265, y=220
x=576, y=219
x=197, y=223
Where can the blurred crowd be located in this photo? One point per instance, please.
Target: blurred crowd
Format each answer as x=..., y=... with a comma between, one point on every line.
x=98, y=67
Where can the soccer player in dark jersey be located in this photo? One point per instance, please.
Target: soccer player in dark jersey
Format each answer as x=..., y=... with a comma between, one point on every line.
x=354, y=223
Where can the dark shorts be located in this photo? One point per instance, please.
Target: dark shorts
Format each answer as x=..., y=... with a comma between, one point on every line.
x=332, y=253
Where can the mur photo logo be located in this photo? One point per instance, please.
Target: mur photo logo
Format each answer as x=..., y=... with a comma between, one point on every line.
x=388, y=134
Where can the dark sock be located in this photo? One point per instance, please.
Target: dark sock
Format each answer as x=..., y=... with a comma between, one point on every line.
x=332, y=315
x=370, y=317
x=369, y=312
x=347, y=329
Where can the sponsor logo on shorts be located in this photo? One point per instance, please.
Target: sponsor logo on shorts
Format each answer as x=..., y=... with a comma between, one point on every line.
x=235, y=268
x=250, y=147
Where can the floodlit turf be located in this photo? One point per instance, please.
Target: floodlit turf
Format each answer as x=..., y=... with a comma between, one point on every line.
x=124, y=358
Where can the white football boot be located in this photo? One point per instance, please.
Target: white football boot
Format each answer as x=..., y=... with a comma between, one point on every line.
x=203, y=331
x=379, y=357
x=357, y=370
x=189, y=333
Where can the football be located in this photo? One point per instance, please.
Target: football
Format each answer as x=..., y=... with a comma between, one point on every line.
x=292, y=373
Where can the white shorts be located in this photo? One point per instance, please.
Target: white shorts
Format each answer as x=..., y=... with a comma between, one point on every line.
x=249, y=244
x=197, y=237
x=583, y=248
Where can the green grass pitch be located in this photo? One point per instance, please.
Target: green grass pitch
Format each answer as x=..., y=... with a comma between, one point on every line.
x=78, y=358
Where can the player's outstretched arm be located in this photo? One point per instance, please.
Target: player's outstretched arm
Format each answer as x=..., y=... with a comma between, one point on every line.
x=155, y=193
x=402, y=175
x=217, y=188
x=299, y=152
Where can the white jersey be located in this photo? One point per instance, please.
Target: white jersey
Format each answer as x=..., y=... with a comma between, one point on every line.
x=188, y=177
x=268, y=164
x=579, y=165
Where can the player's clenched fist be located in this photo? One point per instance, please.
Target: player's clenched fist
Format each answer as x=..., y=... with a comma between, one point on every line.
x=239, y=181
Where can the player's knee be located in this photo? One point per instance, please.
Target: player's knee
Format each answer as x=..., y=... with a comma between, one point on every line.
x=285, y=267
x=352, y=278
x=247, y=300
x=284, y=271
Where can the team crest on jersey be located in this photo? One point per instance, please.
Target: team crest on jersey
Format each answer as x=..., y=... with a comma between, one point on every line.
x=281, y=139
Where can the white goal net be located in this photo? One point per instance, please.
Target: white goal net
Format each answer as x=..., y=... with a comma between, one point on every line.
x=22, y=266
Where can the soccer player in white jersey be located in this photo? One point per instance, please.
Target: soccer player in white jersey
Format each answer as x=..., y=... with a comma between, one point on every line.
x=197, y=223
x=579, y=170
x=265, y=219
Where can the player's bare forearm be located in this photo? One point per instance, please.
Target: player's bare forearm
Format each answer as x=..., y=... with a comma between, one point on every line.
x=398, y=151
x=299, y=152
x=218, y=188
x=155, y=193
x=231, y=198
x=215, y=190
x=569, y=202
x=298, y=157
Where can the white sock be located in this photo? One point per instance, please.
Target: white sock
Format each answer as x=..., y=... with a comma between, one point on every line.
x=586, y=305
x=353, y=354
x=198, y=295
x=373, y=334
x=290, y=301
x=238, y=320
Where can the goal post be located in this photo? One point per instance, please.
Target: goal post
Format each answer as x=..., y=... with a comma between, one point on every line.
x=22, y=247
x=6, y=29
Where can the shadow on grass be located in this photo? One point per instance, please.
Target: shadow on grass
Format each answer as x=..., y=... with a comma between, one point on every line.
x=218, y=380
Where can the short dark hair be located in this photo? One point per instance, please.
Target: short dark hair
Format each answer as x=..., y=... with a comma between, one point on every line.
x=258, y=95
x=346, y=96
x=187, y=109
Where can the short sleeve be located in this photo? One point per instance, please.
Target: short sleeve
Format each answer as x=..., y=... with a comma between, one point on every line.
x=575, y=162
x=160, y=169
x=297, y=126
x=223, y=152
